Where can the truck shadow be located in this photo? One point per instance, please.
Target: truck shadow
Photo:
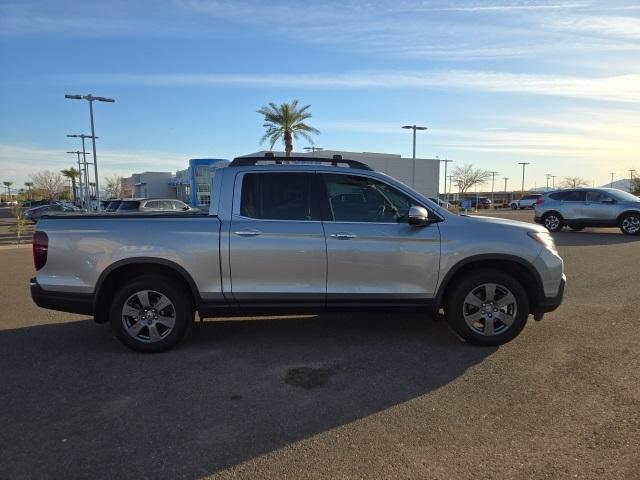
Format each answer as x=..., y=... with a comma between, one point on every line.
x=76, y=403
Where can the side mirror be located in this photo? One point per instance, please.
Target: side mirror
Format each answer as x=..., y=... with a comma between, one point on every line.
x=418, y=216
x=184, y=209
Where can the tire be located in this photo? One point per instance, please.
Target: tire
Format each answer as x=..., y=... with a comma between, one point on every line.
x=577, y=228
x=630, y=224
x=514, y=206
x=146, y=329
x=466, y=302
x=553, y=221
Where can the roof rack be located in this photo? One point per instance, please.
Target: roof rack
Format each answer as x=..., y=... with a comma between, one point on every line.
x=269, y=156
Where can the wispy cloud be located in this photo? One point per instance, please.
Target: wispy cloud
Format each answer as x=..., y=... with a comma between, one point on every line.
x=20, y=161
x=621, y=88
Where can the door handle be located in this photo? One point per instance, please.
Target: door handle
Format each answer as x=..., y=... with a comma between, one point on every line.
x=248, y=233
x=343, y=235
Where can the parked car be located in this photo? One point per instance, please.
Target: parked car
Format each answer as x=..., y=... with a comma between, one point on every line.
x=43, y=211
x=589, y=207
x=153, y=205
x=475, y=202
x=112, y=206
x=528, y=201
x=297, y=238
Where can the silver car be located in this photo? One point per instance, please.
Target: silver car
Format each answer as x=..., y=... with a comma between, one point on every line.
x=589, y=207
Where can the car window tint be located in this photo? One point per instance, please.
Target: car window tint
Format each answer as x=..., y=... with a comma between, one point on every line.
x=128, y=205
x=278, y=196
x=597, y=196
x=360, y=199
x=574, y=196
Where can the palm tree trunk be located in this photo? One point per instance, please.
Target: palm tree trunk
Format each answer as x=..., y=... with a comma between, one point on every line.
x=73, y=187
x=288, y=143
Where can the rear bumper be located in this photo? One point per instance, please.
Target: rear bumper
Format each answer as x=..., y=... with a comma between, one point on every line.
x=62, y=301
x=549, y=304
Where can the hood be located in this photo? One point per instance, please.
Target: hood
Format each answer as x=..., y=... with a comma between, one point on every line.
x=530, y=227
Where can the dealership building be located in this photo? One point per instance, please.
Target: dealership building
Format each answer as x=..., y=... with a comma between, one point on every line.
x=193, y=184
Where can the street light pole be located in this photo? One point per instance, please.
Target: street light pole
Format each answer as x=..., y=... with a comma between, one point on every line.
x=612, y=174
x=90, y=98
x=449, y=192
x=413, y=169
x=493, y=181
x=548, y=175
x=446, y=162
x=524, y=165
x=553, y=181
x=631, y=172
x=87, y=197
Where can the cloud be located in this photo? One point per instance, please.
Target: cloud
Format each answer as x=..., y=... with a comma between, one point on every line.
x=619, y=88
x=20, y=161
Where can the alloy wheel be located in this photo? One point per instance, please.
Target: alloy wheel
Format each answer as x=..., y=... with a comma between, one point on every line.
x=148, y=316
x=490, y=309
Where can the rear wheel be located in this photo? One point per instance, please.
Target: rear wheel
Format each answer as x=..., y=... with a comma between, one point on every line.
x=514, y=206
x=553, y=222
x=630, y=224
x=151, y=314
x=487, y=307
x=577, y=228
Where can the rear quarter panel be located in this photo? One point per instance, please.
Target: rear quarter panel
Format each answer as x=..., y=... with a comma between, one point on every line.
x=80, y=249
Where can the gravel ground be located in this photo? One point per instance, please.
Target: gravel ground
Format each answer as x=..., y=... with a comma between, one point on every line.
x=335, y=396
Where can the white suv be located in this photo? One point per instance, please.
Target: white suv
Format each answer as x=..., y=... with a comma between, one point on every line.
x=528, y=201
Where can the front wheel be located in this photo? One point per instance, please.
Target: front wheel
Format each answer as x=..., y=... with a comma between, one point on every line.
x=553, y=222
x=151, y=313
x=487, y=307
x=514, y=206
x=630, y=224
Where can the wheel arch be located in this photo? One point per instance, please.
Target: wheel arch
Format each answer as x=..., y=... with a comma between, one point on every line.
x=626, y=212
x=113, y=275
x=520, y=269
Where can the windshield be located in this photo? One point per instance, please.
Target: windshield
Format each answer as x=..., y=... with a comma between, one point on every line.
x=624, y=196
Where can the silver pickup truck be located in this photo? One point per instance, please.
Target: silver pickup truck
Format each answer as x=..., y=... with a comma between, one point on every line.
x=297, y=237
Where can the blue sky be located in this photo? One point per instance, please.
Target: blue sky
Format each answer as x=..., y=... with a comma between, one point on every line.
x=553, y=83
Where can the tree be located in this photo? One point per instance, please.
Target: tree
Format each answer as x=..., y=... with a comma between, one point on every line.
x=574, y=182
x=72, y=174
x=113, y=187
x=467, y=176
x=286, y=122
x=29, y=185
x=49, y=183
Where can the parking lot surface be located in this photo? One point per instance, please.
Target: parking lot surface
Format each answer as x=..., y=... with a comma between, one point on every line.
x=334, y=396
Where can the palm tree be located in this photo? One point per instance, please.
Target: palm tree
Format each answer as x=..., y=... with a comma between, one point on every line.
x=29, y=185
x=8, y=187
x=286, y=122
x=72, y=174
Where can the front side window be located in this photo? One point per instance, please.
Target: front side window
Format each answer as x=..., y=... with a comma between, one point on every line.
x=360, y=199
x=596, y=196
x=154, y=204
x=128, y=205
x=277, y=196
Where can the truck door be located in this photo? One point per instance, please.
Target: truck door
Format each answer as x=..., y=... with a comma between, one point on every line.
x=373, y=254
x=277, y=249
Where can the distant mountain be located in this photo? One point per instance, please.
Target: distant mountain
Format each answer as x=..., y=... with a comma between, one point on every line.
x=622, y=184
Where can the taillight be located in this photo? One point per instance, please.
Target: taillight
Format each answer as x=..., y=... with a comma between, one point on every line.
x=539, y=201
x=40, y=249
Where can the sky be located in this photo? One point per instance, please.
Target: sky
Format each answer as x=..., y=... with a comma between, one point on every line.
x=497, y=82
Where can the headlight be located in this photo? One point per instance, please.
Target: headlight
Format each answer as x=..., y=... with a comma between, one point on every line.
x=545, y=239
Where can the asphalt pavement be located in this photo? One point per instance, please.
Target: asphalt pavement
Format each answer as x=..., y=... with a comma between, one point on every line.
x=334, y=396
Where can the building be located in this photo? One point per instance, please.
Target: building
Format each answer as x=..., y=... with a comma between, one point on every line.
x=193, y=185
x=149, y=185
x=427, y=169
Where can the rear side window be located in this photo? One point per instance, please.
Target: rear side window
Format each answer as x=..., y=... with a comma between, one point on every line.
x=128, y=205
x=153, y=204
x=570, y=196
x=166, y=205
x=278, y=196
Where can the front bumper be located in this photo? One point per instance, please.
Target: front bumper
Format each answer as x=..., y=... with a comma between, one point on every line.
x=549, y=304
x=62, y=301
